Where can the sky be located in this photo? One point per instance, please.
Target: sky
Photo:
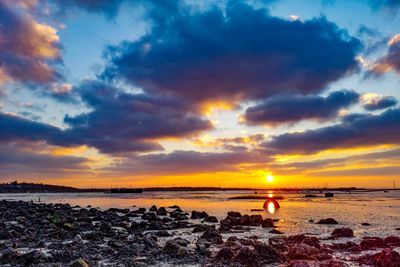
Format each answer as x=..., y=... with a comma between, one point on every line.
x=200, y=93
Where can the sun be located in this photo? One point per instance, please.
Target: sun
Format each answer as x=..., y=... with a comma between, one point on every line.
x=270, y=178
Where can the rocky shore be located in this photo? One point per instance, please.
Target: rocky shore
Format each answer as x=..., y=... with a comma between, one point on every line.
x=34, y=234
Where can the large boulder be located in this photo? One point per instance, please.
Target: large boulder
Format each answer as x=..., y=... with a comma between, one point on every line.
x=342, y=232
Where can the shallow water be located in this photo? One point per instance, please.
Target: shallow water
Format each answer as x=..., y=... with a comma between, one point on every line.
x=380, y=209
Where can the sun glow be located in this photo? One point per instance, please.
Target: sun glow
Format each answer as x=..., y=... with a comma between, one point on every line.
x=269, y=178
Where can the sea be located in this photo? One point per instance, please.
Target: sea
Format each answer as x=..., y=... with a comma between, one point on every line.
x=297, y=214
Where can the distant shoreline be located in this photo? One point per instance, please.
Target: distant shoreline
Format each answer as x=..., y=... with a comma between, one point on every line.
x=15, y=187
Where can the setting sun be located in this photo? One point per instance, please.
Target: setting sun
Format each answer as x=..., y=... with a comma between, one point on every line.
x=270, y=178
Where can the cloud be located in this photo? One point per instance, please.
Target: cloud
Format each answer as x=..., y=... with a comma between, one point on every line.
x=388, y=157
x=354, y=131
x=27, y=159
x=197, y=55
x=125, y=122
x=28, y=49
x=294, y=108
x=390, y=6
x=390, y=61
x=186, y=162
x=118, y=122
x=372, y=102
x=15, y=128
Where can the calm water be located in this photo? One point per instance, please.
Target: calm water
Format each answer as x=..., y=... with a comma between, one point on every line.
x=381, y=210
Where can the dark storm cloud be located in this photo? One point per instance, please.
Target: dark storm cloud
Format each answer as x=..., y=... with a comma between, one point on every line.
x=183, y=162
x=124, y=122
x=28, y=49
x=294, y=108
x=380, y=103
x=354, y=131
x=244, y=53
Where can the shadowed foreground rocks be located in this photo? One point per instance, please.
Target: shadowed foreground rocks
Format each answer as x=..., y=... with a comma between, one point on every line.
x=34, y=234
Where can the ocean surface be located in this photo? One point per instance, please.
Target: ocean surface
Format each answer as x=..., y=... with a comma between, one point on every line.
x=380, y=209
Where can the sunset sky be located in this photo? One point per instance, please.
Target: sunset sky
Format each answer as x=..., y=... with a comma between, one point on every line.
x=200, y=93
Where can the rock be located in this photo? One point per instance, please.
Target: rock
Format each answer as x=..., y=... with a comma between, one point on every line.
x=303, y=239
x=256, y=220
x=162, y=233
x=173, y=207
x=161, y=211
x=366, y=224
x=245, y=220
x=224, y=254
x=268, y=254
x=304, y=252
x=181, y=242
x=392, y=241
x=211, y=219
x=246, y=256
x=327, y=221
x=385, y=258
x=310, y=196
x=181, y=217
x=342, y=232
x=176, y=248
x=153, y=208
x=347, y=247
x=397, y=229
x=277, y=232
x=79, y=263
x=332, y=263
x=198, y=215
x=234, y=214
x=212, y=236
x=150, y=216
x=268, y=222
x=372, y=242
x=298, y=263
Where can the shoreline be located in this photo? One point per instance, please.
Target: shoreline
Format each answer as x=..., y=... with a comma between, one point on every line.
x=52, y=234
